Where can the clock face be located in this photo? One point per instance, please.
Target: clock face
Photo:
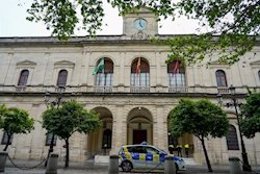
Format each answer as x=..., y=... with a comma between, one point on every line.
x=140, y=24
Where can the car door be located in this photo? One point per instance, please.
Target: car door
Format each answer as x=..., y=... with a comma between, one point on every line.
x=152, y=157
x=138, y=157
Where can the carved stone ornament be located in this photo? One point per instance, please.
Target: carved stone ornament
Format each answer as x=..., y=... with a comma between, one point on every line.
x=140, y=35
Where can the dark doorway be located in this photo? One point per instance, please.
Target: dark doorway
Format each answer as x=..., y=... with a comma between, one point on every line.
x=139, y=136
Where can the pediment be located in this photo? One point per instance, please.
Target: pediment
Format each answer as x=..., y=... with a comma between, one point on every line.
x=26, y=63
x=64, y=62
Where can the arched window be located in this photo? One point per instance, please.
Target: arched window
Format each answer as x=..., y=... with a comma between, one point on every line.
x=176, y=74
x=221, y=78
x=107, y=137
x=104, y=75
x=23, y=78
x=232, y=141
x=259, y=75
x=62, y=78
x=140, y=75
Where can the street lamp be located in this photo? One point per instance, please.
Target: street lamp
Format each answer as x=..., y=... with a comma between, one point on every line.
x=234, y=102
x=53, y=103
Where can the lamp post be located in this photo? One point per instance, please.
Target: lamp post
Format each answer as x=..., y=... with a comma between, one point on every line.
x=53, y=103
x=232, y=91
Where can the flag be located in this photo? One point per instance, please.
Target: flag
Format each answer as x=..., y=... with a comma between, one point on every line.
x=176, y=68
x=100, y=67
x=138, y=66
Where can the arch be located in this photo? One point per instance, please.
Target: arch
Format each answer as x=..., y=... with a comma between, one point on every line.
x=232, y=140
x=221, y=78
x=62, y=77
x=140, y=75
x=140, y=63
x=108, y=65
x=100, y=141
x=139, y=126
x=23, y=78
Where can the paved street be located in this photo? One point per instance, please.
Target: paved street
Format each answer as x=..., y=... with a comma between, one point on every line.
x=90, y=168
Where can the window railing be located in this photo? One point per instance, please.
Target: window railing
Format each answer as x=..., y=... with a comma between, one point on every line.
x=140, y=89
x=178, y=89
x=223, y=90
x=103, y=88
x=20, y=88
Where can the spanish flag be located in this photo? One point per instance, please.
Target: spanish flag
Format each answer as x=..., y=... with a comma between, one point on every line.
x=138, y=66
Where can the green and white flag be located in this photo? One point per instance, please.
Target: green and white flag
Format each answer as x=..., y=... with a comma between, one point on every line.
x=100, y=67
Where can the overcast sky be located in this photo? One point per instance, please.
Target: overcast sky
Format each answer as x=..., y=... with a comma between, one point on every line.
x=13, y=22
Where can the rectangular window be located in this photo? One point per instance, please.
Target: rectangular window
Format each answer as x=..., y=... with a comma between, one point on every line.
x=48, y=139
x=4, y=139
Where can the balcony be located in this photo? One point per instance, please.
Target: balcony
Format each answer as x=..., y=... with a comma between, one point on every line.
x=181, y=89
x=223, y=90
x=103, y=89
x=139, y=89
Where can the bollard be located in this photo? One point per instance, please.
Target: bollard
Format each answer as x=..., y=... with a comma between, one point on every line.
x=3, y=156
x=52, y=164
x=234, y=164
x=169, y=165
x=113, y=164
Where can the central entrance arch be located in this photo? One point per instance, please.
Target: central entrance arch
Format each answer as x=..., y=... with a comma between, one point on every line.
x=139, y=126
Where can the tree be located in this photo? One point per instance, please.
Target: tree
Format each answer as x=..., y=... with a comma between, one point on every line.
x=250, y=122
x=70, y=117
x=14, y=121
x=200, y=118
x=237, y=23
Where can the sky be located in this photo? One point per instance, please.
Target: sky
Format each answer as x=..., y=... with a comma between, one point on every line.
x=13, y=22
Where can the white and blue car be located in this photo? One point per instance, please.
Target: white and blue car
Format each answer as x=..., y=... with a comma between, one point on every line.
x=145, y=157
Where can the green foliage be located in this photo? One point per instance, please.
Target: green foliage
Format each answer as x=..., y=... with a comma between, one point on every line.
x=232, y=21
x=200, y=118
x=15, y=121
x=194, y=48
x=250, y=123
x=69, y=118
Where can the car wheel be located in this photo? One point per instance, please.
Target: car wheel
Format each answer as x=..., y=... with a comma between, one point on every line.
x=126, y=166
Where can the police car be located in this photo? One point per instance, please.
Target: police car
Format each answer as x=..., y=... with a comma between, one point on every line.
x=145, y=157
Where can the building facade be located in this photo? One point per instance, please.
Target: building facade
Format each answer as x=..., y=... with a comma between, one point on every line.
x=133, y=94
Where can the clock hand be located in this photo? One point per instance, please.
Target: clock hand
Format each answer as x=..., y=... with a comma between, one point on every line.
x=141, y=24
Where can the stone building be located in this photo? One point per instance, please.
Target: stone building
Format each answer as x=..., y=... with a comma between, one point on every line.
x=134, y=94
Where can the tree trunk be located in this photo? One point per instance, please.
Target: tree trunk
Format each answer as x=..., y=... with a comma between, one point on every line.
x=206, y=155
x=67, y=153
x=7, y=143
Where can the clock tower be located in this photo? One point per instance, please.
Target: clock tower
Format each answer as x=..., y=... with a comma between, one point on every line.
x=140, y=24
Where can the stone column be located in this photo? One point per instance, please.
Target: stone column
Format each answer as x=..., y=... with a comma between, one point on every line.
x=113, y=164
x=3, y=156
x=52, y=164
x=169, y=165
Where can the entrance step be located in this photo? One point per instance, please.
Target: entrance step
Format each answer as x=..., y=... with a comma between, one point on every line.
x=190, y=161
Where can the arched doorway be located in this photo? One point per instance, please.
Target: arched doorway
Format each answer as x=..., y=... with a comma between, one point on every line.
x=100, y=141
x=139, y=126
x=181, y=146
